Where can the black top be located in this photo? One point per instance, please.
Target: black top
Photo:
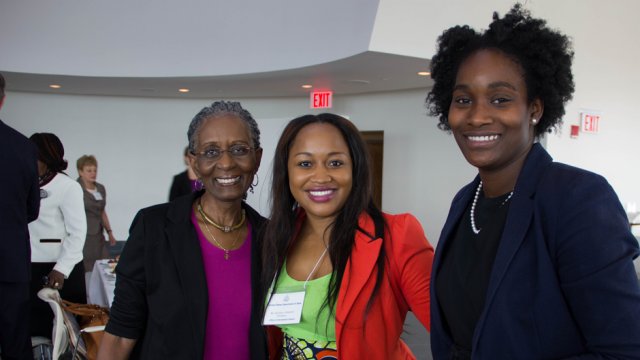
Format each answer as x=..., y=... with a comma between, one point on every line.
x=466, y=267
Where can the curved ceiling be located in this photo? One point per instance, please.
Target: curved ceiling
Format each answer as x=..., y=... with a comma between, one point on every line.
x=240, y=48
x=162, y=38
x=362, y=73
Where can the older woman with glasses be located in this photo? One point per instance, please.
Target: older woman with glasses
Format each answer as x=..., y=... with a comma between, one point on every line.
x=188, y=279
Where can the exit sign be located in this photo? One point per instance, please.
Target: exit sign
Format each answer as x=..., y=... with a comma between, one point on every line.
x=321, y=99
x=590, y=120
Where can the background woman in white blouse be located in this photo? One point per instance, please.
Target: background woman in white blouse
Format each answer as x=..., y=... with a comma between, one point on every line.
x=57, y=236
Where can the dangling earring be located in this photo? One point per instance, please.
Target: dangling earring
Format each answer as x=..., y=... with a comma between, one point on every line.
x=534, y=121
x=256, y=179
x=199, y=184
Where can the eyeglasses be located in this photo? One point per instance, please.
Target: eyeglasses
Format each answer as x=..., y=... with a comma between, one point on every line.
x=212, y=154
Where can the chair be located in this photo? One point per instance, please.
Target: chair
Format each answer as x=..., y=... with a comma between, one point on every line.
x=66, y=336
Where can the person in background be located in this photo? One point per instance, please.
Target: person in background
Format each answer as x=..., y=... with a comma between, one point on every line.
x=57, y=236
x=20, y=205
x=535, y=258
x=188, y=280
x=186, y=182
x=354, y=271
x=95, y=200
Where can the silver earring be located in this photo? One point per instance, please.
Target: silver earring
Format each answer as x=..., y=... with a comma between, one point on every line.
x=256, y=179
x=534, y=121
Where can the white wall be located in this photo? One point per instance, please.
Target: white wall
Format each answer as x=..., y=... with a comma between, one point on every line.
x=139, y=141
x=607, y=50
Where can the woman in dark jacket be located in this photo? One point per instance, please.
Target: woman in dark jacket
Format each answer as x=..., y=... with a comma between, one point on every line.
x=188, y=279
x=535, y=258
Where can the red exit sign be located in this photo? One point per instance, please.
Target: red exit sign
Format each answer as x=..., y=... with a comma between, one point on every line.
x=590, y=122
x=321, y=99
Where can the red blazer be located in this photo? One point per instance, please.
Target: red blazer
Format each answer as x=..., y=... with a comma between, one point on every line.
x=404, y=287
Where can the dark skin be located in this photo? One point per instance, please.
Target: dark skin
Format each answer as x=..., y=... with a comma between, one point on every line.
x=55, y=279
x=492, y=120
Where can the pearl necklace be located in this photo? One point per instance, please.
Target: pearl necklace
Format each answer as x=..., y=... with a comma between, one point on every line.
x=473, y=208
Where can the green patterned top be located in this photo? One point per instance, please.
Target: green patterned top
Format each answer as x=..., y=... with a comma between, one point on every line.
x=313, y=325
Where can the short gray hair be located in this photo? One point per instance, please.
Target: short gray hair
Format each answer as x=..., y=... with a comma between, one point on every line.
x=222, y=108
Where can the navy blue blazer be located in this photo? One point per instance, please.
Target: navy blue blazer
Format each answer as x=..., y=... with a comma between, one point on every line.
x=563, y=283
x=19, y=203
x=161, y=296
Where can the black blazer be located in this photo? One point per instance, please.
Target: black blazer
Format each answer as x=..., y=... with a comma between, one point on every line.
x=19, y=203
x=161, y=291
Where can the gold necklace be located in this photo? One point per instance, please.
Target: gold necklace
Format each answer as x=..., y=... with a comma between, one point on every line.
x=226, y=251
x=224, y=228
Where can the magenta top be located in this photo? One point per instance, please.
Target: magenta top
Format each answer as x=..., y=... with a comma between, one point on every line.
x=229, y=288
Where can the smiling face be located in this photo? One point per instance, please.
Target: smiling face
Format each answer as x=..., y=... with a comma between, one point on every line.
x=490, y=116
x=320, y=170
x=88, y=174
x=228, y=177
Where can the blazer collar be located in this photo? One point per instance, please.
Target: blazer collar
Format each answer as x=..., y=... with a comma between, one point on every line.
x=517, y=223
x=360, y=265
x=187, y=256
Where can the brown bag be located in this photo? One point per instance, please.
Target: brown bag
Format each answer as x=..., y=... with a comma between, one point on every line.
x=88, y=315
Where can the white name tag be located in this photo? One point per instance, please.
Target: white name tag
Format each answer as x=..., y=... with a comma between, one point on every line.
x=284, y=308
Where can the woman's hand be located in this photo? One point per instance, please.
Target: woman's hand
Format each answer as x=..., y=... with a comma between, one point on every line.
x=112, y=239
x=56, y=280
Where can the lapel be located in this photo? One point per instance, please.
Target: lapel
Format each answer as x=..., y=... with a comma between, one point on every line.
x=517, y=224
x=187, y=256
x=458, y=206
x=361, y=264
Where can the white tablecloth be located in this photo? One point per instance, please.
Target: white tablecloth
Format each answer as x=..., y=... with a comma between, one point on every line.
x=101, y=284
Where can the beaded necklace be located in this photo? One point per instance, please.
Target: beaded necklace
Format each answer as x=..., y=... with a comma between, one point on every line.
x=473, y=207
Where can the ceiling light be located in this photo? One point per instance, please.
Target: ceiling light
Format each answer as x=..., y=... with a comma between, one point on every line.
x=55, y=86
x=307, y=86
x=424, y=73
x=183, y=90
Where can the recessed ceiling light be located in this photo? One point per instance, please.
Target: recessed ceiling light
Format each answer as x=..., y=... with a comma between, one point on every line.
x=55, y=86
x=424, y=73
x=183, y=90
x=307, y=86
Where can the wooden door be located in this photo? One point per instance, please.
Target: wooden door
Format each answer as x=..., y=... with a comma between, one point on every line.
x=375, y=144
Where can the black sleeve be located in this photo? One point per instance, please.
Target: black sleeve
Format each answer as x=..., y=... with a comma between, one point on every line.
x=129, y=309
x=33, y=201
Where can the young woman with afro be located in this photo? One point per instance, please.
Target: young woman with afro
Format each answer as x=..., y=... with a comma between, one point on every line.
x=535, y=258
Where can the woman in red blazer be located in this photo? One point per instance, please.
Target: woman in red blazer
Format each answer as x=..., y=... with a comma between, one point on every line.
x=343, y=274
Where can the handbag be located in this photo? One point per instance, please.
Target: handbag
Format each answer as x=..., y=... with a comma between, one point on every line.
x=88, y=315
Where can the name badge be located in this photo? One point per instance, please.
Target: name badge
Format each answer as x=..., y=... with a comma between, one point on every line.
x=284, y=308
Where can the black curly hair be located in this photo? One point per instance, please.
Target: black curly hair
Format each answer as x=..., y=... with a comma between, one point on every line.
x=544, y=54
